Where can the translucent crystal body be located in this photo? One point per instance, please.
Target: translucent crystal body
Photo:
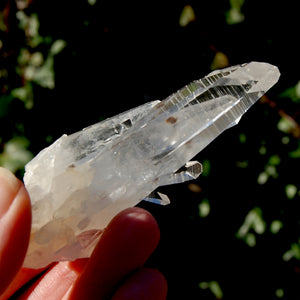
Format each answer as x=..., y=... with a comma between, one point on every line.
x=82, y=180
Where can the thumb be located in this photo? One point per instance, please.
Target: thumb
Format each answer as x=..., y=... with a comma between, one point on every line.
x=15, y=223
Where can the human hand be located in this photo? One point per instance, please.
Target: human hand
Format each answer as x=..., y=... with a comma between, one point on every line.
x=114, y=271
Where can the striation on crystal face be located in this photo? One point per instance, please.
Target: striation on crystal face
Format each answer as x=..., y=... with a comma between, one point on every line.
x=82, y=180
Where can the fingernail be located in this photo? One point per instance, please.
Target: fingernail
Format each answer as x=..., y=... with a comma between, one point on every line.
x=9, y=187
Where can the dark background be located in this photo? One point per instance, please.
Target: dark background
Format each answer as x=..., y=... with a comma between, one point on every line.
x=119, y=54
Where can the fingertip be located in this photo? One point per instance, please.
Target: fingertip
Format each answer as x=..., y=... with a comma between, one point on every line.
x=134, y=213
x=145, y=284
x=124, y=246
x=9, y=187
x=138, y=234
x=134, y=221
x=15, y=224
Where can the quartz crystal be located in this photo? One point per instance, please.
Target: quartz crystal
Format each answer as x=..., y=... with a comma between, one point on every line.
x=82, y=180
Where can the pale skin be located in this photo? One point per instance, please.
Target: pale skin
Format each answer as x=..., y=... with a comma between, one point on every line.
x=114, y=271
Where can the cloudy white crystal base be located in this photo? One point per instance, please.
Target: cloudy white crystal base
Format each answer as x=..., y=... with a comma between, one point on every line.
x=82, y=180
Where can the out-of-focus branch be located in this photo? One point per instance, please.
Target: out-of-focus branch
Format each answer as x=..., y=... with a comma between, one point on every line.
x=294, y=125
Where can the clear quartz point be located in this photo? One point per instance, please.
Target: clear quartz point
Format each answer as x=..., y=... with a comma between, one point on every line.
x=158, y=198
x=82, y=180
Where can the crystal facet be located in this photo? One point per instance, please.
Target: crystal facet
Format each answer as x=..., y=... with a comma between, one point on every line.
x=82, y=180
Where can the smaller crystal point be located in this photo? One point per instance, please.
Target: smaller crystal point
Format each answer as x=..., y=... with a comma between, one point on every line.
x=81, y=181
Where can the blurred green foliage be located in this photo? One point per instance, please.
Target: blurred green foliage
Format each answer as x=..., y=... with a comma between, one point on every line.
x=235, y=231
x=214, y=287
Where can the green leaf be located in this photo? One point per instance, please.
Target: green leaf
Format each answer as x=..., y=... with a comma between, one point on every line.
x=262, y=178
x=242, y=138
x=57, y=47
x=253, y=221
x=25, y=94
x=274, y=160
x=234, y=15
x=293, y=252
x=295, y=153
x=4, y=104
x=92, y=2
x=44, y=75
x=242, y=164
x=250, y=239
x=293, y=93
x=187, y=16
x=204, y=208
x=285, y=140
x=286, y=125
x=220, y=60
x=206, y=168
x=290, y=191
x=15, y=154
x=214, y=288
x=3, y=26
x=275, y=226
x=279, y=293
x=262, y=150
